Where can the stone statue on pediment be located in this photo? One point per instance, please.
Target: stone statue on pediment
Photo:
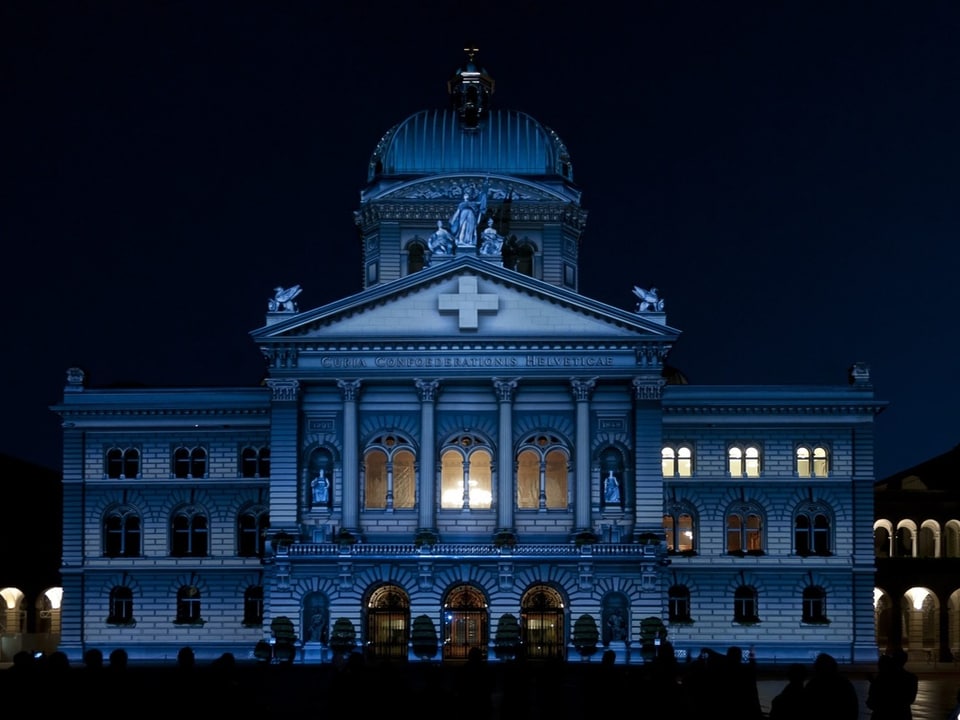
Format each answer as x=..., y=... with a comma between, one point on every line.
x=441, y=242
x=491, y=242
x=650, y=301
x=282, y=301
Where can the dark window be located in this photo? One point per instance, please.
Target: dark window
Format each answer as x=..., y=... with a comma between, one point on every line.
x=123, y=463
x=190, y=462
x=251, y=528
x=121, y=534
x=255, y=462
x=121, y=606
x=745, y=605
x=678, y=604
x=814, y=605
x=253, y=606
x=811, y=531
x=188, y=534
x=188, y=605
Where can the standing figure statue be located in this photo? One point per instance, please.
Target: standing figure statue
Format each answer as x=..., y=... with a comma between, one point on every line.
x=611, y=490
x=320, y=489
x=441, y=242
x=463, y=222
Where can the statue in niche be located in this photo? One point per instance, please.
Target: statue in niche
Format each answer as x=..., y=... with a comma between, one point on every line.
x=616, y=626
x=320, y=489
x=282, y=300
x=441, y=242
x=650, y=301
x=611, y=490
x=491, y=243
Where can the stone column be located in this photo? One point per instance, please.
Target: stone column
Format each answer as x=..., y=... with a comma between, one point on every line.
x=648, y=441
x=427, y=477
x=505, y=485
x=582, y=389
x=350, y=390
x=284, y=465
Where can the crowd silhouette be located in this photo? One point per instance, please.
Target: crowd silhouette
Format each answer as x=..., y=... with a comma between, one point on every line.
x=712, y=683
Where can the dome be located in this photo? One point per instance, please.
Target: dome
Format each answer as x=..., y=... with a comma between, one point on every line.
x=504, y=142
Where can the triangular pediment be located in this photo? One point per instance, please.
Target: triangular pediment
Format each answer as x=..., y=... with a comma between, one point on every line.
x=469, y=300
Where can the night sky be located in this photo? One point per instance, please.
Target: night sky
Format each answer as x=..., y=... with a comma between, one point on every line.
x=786, y=174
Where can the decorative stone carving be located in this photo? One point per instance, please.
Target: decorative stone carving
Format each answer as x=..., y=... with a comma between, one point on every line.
x=283, y=390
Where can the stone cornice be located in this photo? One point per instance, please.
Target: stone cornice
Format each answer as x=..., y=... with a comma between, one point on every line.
x=429, y=213
x=840, y=407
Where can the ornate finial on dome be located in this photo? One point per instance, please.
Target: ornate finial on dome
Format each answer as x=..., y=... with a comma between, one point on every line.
x=470, y=89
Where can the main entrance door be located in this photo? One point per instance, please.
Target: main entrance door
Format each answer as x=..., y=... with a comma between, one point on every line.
x=464, y=622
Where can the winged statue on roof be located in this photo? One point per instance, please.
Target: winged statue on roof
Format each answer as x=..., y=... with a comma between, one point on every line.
x=650, y=301
x=282, y=300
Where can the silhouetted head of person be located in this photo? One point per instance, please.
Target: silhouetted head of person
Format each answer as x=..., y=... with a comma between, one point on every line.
x=900, y=657
x=93, y=659
x=118, y=659
x=185, y=658
x=825, y=664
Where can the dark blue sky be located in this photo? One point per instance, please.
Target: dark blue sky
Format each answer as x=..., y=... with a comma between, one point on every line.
x=787, y=174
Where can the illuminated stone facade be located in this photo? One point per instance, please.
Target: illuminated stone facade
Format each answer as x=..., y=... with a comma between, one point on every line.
x=466, y=437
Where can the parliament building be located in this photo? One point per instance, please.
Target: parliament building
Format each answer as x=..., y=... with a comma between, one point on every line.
x=468, y=437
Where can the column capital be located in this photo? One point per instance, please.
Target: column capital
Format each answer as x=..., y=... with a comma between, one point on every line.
x=582, y=388
x=504, y=388
x=647, y=388
x=283, y=389
x=427, y=389
x=350, y=389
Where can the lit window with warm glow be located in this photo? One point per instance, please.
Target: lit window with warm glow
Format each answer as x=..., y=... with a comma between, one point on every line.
x=466, y=475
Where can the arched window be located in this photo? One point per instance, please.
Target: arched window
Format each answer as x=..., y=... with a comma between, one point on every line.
x=255, y=462
x=123, y=463
x=189, y=462
x=811, y=530
x=416, y=254
x=881, y=540
x=542, y=473
x=389, y=474
x=253, y=606
x=813, y=462
x=744, y=530
x=668, y=461
x=188, y=536
x=188, y=606
x=121, y=533
x=677, y=461
x=743, y=461
x=745, y=605
x=121, y=606
x=678, y=604
x=252, y=524
x=679, y=526
x=466, y=470
x=814, y=605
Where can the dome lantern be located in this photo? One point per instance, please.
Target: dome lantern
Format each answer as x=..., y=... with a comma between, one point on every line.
x=470, y=89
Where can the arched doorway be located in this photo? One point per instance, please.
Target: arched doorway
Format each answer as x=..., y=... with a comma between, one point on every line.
x=388, y=624
x=465, y=622
x=542, y=628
